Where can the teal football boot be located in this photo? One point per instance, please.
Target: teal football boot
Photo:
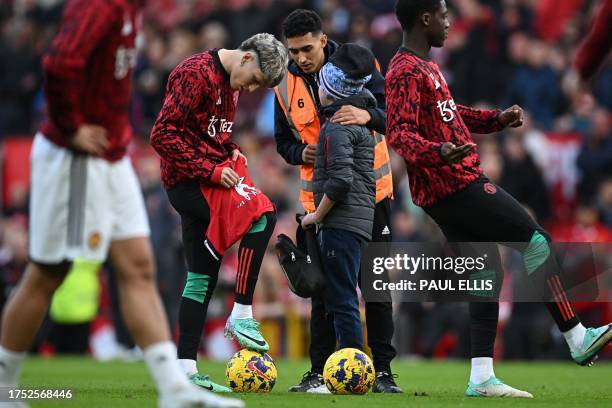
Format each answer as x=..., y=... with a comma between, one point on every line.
x=205, y=382
x=595, y=339
x=493, y=387
x=246, y=332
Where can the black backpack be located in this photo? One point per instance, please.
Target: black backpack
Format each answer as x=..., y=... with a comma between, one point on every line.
x=301, y=265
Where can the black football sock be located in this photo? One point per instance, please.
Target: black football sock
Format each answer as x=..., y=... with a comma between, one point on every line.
x=192, y=313
x=483, y=328
x=484, y=309
x=543, y=270
x=250, y=255
x=194, y=303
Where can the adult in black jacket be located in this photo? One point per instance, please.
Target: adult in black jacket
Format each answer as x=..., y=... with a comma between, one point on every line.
x=309, y=50
x=345, y=192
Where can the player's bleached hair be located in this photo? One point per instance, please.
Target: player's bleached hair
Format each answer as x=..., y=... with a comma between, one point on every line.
x=271, y=54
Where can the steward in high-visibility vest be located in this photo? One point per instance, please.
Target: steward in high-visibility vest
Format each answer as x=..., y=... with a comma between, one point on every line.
x=296, y=131
x=297, y=125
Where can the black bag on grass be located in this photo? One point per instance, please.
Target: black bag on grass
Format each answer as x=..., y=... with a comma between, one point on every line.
x=301, y=265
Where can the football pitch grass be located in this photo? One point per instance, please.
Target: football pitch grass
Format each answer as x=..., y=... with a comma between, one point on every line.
x=426, y=384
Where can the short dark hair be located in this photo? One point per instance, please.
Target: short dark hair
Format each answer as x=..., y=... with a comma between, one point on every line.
x=301, y=22
x=409, y=11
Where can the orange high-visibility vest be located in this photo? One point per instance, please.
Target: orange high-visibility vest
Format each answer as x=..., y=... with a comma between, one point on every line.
x=296, y=99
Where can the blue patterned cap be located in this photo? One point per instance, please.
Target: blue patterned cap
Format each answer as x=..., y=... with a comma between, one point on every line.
x=337, y=84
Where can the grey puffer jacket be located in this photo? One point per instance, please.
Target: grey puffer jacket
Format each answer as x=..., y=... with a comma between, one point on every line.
x=344, y=170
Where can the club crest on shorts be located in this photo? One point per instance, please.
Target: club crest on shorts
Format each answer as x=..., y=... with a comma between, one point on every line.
x=490, y=188
x=94, y=240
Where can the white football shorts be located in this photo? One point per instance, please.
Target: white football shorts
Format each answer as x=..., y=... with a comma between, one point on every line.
x=79, y=204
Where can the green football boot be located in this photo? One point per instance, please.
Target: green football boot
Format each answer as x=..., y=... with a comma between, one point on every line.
x=493, y=387
x=203, y=381
x=595, y=339
x=246, y=332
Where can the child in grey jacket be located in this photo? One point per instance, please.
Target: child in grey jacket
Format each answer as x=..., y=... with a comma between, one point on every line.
x=344, y=187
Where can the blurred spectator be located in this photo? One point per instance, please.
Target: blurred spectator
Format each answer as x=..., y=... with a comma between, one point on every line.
x=336, y=20
x=535, y=85
x=264, y=125
x=595, y=158
x=475, y=48
x=360, y=30
x=491, y=159
x=181, y=44
x=387, y=34
x=522, y=179
x=552, y=17
x=604, y=202
x=586, y=227
x=406, y=228
x=213, y=35
x=149, y=83
x=602, y=87
x=579, y=118
x=20, y=76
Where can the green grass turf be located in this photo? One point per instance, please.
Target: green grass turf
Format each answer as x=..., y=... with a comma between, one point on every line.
x=427, y=384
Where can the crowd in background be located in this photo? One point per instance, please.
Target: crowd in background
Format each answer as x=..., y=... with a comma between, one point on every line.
x=498, y=53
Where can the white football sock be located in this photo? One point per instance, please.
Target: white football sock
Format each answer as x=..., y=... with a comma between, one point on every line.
x=164, y=367
x=242, y=311
x=189, y=366
x=482, y=369
x=575, y=336
x=11, y=367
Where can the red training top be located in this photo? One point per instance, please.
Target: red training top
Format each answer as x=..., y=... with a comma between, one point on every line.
x=88, y=70
x=597, y=44
x=421, y=115
x=192, y=132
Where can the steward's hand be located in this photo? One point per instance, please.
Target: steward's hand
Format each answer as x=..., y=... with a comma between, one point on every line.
x=351, y=115
x=309, y=153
